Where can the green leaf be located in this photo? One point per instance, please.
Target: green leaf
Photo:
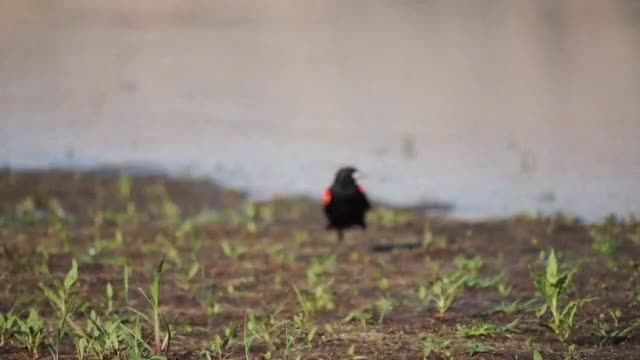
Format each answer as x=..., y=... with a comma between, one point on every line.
x=72, y=276
x=536, y=355
x=552, y=267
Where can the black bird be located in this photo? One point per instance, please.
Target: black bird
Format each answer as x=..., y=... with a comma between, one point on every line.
x=345, y=202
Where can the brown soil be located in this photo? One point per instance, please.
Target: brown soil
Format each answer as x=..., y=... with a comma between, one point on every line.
x=401, y=251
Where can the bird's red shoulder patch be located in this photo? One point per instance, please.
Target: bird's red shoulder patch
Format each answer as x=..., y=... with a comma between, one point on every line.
x=326, y=197
x=361, y=189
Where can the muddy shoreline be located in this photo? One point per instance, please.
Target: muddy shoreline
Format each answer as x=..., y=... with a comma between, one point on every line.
x=226, y=257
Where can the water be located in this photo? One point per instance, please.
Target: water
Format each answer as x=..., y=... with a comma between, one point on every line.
x=494, y=107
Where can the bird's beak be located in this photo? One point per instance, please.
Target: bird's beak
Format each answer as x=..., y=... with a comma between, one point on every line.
x=358, y=175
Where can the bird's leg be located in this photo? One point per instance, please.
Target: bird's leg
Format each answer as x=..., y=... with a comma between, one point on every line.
x=340, y=235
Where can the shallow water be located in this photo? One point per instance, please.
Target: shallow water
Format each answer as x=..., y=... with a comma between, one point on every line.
x=492, y=106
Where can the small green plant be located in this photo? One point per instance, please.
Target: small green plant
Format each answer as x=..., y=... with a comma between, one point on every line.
x=101, y=338
x=301, y=321
x=388, y=217
x=26, y=213
x=469, y=267
x=320, y=266
x=7, y=326
x=352, y=355
x=536, y=355
x=154, y=300
x=137, y=346
x=124, y=185
x=572, y=353
x=432, y=346
x=64, y=300
x=281, y=254
x=220, y=344
x=483, y=329
x=363, y=315
x=603, y=243
x=59, y=228
x=552, y=286
x=109, y=297
x=635, y=236
x=445, y=291
x=474, y=348
x=613, y=332
x=383, y=306
x=516, y=306
x=265, y=330
x=504, y=289
x=233, y=251
x=125, y=282
x=30, y=331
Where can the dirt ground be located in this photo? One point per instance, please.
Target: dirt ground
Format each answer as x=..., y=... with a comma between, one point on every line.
x=233, y=264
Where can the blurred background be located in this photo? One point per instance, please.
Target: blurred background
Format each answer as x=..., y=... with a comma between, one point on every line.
x=492, y=106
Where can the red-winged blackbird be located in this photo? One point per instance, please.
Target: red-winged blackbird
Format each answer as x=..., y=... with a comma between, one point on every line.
x=345, y=202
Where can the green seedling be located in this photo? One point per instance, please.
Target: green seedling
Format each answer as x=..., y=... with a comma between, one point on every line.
x=64, y=300
x=247, y=340
x=613, y=332
x=383, y=306
x=572, y=353
x=100, y=245
x=125, y=282
x=300, y=237
x=634, y=300
x=486, y=329
x=59, y=227
x=352, y=355
x=504, y=289
x=435, y=347
x=30, y=331
x=635, y=236
x=370, y=314
x=220, y=344
x=301, y=321
x=233, y=284
x=289, y=343
x=137, y=346
x=81, y=345
x=233, y=251
x=552, y=286
x=468, y=265
x=56, y=211
x=536, y=355
x=363, y=315
x=320, y=266
x=516, y=306
x=603, y=243
x=429, y=240
x=388, y=218
x=265, y=330
x=25, y=212
x=124, y=185
x=7, y=326
x=162, y=206
x=470, y=268
x=109, y=297
x=445, y=291
x=154, y=300
x=281, y=254
x=251, y=213
x=165, y=246
x=474, y=348
x=102, y=338
x=383, y=284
